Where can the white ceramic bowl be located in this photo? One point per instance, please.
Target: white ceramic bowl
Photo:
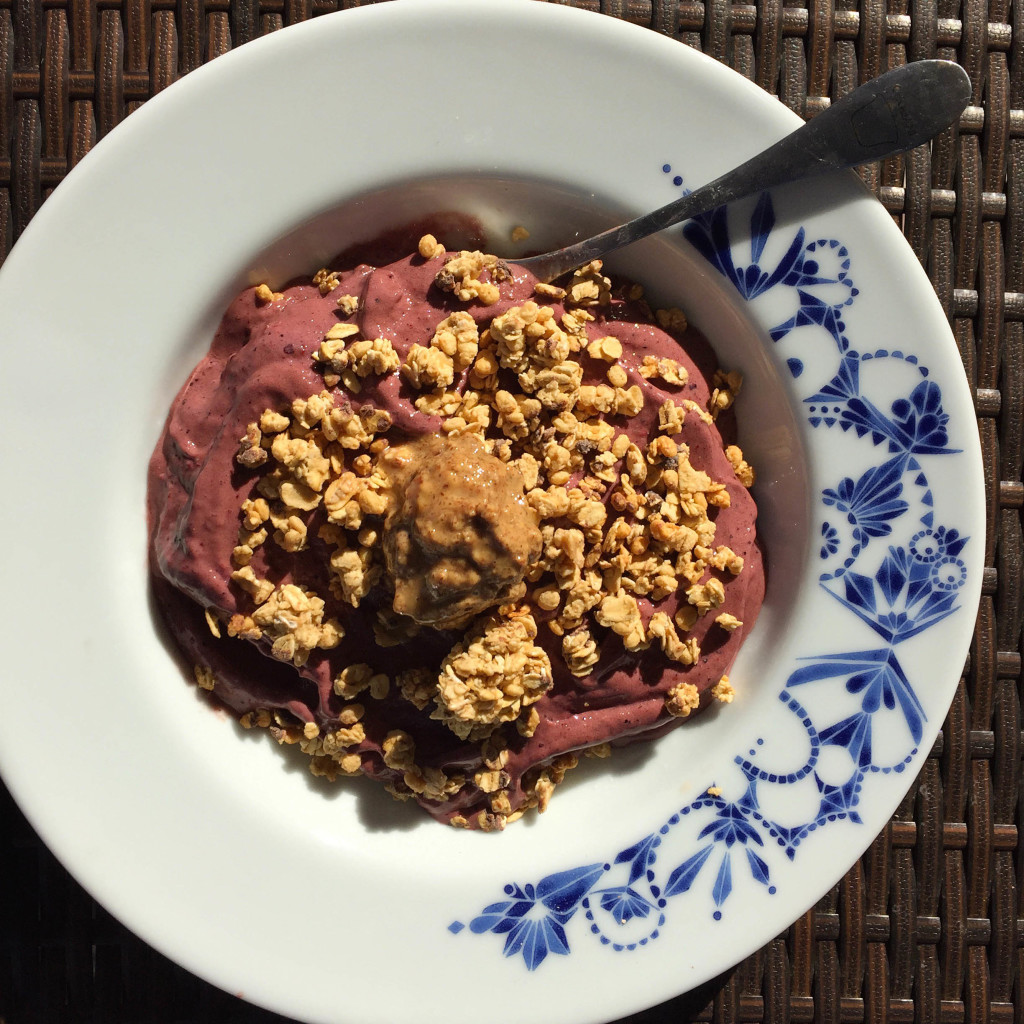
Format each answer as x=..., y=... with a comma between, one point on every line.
x=333, y=904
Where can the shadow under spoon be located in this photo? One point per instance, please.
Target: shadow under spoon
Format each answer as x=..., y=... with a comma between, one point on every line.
x=891, y=114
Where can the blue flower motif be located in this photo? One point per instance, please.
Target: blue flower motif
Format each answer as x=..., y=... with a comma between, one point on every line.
x=872, y=501
x=624, y=903
x=731, y=826
x=839, y=801
x=535, y=937
x=921, y=422
x=533, y=919
x=640, y=856
x=880, y=680
x=917, y=426
x=729, y=831
x=829, y=539
x=866, y=419
x=797, y=269
x=853, y=734
x=907, y=594
x=686, y=873
x=885, y=684
x=843, y=386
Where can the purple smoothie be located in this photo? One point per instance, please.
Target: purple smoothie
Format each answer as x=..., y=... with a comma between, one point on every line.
x=262, y=357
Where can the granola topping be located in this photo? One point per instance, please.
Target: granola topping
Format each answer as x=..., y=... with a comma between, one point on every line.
x=470, y=521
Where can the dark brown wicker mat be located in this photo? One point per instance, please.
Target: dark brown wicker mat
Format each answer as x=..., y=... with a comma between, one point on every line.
x=929, y=926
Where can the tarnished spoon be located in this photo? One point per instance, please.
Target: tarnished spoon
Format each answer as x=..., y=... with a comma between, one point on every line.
x=895, y=112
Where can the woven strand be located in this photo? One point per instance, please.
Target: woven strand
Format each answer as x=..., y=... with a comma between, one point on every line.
x=929, y=925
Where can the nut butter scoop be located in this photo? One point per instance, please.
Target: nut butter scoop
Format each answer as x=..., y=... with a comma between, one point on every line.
x=460, y=535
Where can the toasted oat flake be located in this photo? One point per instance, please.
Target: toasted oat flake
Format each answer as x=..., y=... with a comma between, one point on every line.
x=682, y=700
x=399, y=750
x=664, y=368
x=204, y=676
x=380, y=686
x=250, y=453
x=526, y=725
x=671, y=319
x=292, y=617
x=670, y=417
x=265, y=294
x=427, y=367
x=418, y=686
x=429, y=247
x=725, y=387
x=609, y=349
x=617, y=376
x=706, y=596
x=723, y=690
x=744, y=471
x=325, y=280
x=621, y=613
x=686, y=652
x=463, y=276
x=259, y=590
x=724, y=557
x=588, y=286
x=458, y=337
x=352, y=680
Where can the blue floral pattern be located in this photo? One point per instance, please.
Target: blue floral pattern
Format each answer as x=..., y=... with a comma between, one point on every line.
x=887, y=557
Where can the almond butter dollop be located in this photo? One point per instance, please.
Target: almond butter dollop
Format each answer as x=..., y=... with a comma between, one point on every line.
x=460, y=536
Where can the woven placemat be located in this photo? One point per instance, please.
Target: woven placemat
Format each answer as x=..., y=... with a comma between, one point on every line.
x=929, y=925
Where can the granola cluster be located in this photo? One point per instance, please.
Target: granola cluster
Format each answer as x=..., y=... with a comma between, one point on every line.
x=491, y=676
x=582, y=532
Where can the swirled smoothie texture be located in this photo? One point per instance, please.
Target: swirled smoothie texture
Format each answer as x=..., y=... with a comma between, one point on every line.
x=449, y=528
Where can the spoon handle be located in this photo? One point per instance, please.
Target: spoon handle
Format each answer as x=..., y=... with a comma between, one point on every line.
x=890, y=114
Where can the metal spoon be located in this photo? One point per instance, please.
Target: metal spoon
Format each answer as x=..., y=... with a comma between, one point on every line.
x=895, y=112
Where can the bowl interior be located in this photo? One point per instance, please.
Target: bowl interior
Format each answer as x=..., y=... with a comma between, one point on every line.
x=483, y=210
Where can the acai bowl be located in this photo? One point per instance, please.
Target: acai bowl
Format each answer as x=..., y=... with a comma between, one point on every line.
x=659, y=868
